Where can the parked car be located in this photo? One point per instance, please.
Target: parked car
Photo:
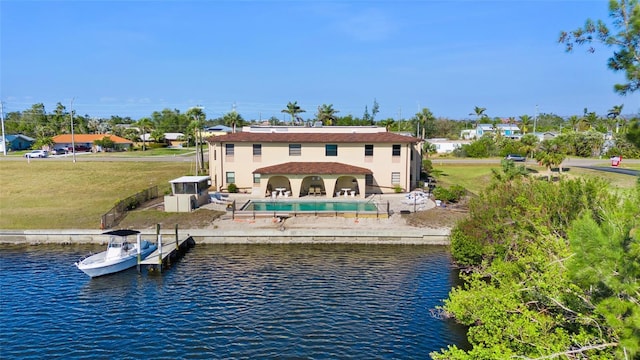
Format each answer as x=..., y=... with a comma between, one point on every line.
x=515, y=157
x=82, y=148
x=37, y=154
x=59, y=151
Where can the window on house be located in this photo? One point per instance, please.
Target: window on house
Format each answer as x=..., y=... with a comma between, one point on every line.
x=368, y=150
x=230, y=149
x=257, y=149
x=395, y=178
x=331, y=150
x=396, y=150
x=295, y=149
x=256, y=178
x=231, y=177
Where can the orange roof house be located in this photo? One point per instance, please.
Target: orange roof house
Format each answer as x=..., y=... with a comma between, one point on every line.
x=88, y=140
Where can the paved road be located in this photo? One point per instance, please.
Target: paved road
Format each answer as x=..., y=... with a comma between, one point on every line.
x=565, y=163
x=613, y=170
x=596, y=164
x=81, y=157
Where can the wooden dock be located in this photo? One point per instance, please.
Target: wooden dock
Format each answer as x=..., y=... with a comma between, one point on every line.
x=168, y=252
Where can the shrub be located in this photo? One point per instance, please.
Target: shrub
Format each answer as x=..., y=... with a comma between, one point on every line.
x=397, y=189
x=464, y=249
x=232, y=188
x=483, y=147
x=453, y=194
x=427, y=166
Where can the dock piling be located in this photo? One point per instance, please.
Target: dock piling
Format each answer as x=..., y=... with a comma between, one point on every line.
x=167, y=253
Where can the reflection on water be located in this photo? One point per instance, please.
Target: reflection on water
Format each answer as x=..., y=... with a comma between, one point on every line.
x=230, y=301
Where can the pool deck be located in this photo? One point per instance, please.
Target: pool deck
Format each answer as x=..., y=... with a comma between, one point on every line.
x=307, y=229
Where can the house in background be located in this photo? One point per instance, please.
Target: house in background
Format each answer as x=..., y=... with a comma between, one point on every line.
x=315, y=161
x=445, y=146
x=547, y=135
x=171, y=139
x=216, y=131
x=507, y=130
x=86, y=142
x=16, y=142
x=468, y=134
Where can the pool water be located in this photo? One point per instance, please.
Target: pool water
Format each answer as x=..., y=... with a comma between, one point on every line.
x=310, y=206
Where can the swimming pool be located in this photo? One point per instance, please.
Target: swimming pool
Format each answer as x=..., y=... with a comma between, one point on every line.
x=297, y=206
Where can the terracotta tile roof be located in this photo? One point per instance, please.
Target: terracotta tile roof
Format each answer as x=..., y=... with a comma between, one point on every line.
x=382, y=137
x=320, y=168
x=88, y=138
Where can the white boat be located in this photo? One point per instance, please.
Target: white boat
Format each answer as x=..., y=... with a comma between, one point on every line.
x=120, y=254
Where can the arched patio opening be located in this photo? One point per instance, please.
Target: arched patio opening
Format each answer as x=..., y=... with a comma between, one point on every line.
x=279, y=185
x=312, y=186
x=347, y=186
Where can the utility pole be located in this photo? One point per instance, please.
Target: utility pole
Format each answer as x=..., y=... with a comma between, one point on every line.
x=198, y=140
x=4, y=138
x=73, y=142
x=196, y=130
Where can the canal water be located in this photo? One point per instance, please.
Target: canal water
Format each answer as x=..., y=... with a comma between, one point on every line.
x=229, y=301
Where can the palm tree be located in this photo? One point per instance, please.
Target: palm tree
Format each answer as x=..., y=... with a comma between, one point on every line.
x=293, y=109
x=525, y=122
x=574, y=122
x=144, y=124
x=327, y=114
x=426, y=121
x=479, y=113
x=590, y=118
x=388, y=123
x=232, y=119
x=528, y=143
x=429, y=148
x=550, y=153
x=614, y=113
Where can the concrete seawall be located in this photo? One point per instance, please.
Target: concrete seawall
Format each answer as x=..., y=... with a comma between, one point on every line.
x=413, y=236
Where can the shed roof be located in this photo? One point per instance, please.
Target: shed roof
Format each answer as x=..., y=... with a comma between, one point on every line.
x=190, y=179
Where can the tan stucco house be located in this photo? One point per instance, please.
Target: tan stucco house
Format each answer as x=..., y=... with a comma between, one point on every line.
x=315, y=161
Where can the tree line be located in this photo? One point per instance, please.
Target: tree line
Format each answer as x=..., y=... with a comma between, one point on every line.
x=38, y=123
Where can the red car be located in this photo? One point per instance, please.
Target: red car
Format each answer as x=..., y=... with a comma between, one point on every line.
x=81, y=148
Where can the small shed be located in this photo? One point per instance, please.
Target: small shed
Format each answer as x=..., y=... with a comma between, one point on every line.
x=187, y=193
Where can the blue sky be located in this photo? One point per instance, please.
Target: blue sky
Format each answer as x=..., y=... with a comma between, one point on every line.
x=130, y=58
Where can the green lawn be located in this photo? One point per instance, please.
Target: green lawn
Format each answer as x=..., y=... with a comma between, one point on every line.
x=46, y=194
x=472, y=177
x=152, y=152
x=475, y=177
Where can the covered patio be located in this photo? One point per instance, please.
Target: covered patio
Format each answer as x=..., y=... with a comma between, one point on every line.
x=319, y=179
